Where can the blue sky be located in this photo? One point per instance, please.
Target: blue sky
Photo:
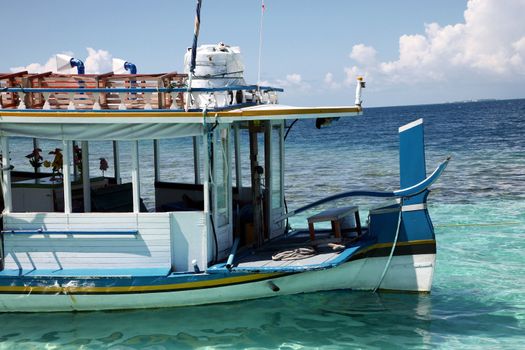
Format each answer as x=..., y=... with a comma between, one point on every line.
x=410, y=51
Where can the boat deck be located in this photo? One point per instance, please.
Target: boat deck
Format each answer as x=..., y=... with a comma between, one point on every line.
x=329, y=252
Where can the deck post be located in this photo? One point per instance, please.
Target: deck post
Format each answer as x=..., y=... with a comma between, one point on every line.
x=156, y=160
x=206, y=192
x=86, y=183
x=6, y=175
x=135, y=176
x=238, y=165
x=196, y=160
x=268, y=169
x=116, y=162
x=256, y=184
x=66, y=175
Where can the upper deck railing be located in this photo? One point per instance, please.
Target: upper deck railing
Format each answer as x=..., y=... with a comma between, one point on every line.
x=49, y=91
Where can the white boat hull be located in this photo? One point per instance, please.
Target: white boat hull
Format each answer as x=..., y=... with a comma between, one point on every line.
x=410, y=273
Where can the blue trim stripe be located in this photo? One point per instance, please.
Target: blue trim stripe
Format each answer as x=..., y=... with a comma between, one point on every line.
x=137, y=90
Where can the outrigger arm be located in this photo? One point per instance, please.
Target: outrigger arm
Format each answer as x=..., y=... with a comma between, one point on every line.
x=401, y=193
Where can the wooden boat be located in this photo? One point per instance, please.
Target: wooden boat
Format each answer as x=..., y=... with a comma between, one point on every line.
x=75, y=241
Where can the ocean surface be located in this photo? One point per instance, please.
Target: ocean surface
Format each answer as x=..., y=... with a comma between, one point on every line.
x=478, y=208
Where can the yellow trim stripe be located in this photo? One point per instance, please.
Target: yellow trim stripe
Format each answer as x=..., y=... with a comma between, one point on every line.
x=129, y=289
x=170, y=114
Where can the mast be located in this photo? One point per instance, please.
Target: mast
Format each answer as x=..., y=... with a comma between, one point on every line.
x=194, y=50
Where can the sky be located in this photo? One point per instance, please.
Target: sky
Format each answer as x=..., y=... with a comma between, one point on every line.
x=409, y=51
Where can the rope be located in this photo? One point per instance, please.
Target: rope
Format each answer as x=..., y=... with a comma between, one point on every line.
x=219, y=75
x=290, y=128
x=294, y=254
x=393, y=248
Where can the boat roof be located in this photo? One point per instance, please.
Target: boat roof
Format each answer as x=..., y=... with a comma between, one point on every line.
x=164, y=98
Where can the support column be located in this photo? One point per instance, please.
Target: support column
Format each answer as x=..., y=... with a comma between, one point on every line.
x=86, y=182
x=66, y=175
x=206, y=193
x=116, y=162
x=6, y=175
x=135, y=176
x=196, y=160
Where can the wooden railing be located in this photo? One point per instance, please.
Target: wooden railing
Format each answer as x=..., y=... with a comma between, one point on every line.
x=61, y=91
x=50, y=91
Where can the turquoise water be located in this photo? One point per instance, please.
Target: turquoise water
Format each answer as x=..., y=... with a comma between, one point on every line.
x=478, y=208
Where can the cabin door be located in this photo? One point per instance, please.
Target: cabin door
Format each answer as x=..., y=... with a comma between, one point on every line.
x=274, y=177
x=221, y=189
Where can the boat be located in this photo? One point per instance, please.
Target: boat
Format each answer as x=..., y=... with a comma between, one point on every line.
x=74, y=241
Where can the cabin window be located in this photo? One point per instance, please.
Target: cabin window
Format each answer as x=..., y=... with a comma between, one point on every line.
x=178, y=185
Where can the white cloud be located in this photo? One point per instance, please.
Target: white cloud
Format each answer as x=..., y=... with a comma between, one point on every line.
x=363, y=54
x=330, y=82
x=293, y=81
x=97, y=61
x=490, y=43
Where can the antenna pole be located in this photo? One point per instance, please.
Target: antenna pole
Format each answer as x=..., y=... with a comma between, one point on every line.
x=263, y=7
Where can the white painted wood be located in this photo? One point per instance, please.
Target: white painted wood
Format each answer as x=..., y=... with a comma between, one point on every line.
x=66, y=175
x=187, y=232
x=411, y=125
x=135, y=176
x=86, y=184
x=116, y=162
x=6, y=175
x=151, y=247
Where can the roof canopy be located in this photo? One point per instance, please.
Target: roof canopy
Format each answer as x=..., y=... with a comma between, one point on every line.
x=94, y=132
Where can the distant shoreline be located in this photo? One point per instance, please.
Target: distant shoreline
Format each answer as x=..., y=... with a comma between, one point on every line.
x=481, y=100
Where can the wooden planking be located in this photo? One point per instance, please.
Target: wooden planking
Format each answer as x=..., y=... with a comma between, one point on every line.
x=150, y=248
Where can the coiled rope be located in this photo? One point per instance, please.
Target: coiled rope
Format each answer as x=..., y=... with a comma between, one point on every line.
x=294, y=254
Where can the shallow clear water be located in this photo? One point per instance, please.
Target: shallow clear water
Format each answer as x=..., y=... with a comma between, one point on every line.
x=478, y=208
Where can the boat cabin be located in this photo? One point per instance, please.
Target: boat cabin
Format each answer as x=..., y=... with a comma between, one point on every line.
x=133, y=171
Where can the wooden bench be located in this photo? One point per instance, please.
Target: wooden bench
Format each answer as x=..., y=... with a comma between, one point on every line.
x=336, y=216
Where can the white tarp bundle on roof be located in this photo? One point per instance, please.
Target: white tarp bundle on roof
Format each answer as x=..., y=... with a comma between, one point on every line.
x=216, y=66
